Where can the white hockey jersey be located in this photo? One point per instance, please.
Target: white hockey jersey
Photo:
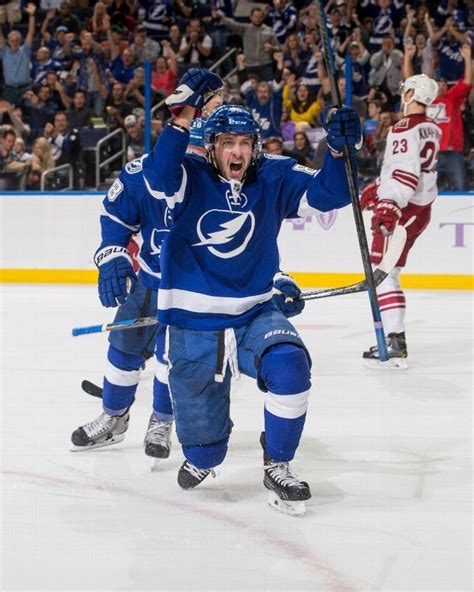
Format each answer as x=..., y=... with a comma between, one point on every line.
x=408, y=172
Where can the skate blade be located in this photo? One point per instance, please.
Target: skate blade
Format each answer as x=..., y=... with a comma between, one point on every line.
x=155, y=464
x=297, y=509
x=391, y=364
x=114, y=440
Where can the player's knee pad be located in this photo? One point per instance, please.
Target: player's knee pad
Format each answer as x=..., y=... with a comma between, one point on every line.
x=286, y=375
x=206, y=456
x=123, y=369
x=284, y=369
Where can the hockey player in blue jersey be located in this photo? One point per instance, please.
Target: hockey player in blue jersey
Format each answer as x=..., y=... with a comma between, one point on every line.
x=218, y=264
x=126, y=211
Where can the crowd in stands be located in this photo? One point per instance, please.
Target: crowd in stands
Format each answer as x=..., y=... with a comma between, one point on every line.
x=73, y=71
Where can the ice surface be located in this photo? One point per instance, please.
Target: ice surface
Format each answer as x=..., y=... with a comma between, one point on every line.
x=388, y=456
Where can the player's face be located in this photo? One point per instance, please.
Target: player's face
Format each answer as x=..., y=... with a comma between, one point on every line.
x=233, y=154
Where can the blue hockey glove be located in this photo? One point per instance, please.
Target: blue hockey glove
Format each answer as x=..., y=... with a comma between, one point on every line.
x=343, y=128
x=116, y=276
x=194, y=89
x=288, y=298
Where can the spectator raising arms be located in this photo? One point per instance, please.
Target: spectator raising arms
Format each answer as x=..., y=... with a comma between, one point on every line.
x=300, y=105
x=265, y=101
x=386, y=69
x=259, y=41
x=165, y=75
x=16, y=59
x=446, y=112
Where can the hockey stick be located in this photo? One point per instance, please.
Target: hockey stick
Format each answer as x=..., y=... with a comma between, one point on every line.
x=395, y=248
x=351, y=174
x=128, y=324
x=91, y=389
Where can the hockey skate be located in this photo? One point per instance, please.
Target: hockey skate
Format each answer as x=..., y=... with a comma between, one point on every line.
x=103, y=431
x=397, y=354
x=157, y=441
x=287, y=493
x=190, y=476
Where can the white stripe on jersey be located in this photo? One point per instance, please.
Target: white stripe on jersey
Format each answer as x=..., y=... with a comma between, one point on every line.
x=171, y=200
x=147, y=268
x=104, y=212
x=203, y=303
x=304, y=209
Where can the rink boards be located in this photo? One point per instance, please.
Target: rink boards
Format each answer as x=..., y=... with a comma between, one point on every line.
x=51, y=238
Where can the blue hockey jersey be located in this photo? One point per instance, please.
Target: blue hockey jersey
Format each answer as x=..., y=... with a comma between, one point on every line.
x=126, y=212
x=220, y=256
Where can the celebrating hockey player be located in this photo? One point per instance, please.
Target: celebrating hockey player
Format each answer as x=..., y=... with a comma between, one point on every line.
x=403, y=194
x=125, y=213
x=218, y=264
x=130, y=349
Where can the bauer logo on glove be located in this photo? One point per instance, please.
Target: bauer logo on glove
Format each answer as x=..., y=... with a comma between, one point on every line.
x=195, y=89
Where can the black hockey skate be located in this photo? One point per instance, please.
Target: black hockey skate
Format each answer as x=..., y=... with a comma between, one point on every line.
x=397, y=354
x=158, y=440
x=103, y=431
x=190, y=476
x=287, y=493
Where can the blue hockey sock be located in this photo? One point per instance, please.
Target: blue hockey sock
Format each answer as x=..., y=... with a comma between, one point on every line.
x=206, y=456
x=120, y=380
x=285, y=372
x=162, y=408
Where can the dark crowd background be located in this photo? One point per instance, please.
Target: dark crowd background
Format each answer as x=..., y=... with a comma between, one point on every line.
x=73, y=80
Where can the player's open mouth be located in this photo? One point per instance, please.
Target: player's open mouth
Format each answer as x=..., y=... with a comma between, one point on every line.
x=235, y=167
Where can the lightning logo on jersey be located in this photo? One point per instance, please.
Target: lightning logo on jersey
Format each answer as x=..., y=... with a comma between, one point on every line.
x=217, y=228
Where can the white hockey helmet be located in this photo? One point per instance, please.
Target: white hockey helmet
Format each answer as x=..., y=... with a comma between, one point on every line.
x=425, y=90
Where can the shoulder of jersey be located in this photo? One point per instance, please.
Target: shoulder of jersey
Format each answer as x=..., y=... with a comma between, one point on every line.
x=273, y=164
x=135, y=166
x=410, y=122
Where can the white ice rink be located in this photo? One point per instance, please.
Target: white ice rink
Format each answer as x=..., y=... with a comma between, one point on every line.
x=388, y=456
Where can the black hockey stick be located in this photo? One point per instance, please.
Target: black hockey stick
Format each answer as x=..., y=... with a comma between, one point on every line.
x=351, y=174
x=91, y=389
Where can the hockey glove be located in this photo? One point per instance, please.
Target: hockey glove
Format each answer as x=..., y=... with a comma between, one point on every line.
x=369, y=198
x=116, y=276
x=194, y=89
x=343, y=128
x=386, y=216
x=287, y=298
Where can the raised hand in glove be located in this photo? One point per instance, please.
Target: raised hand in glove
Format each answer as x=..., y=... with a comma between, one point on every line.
x=287, y=299
x=116, y=276
x=386, y=216
x=343, y=128
x=195, y=89
x=369, y=198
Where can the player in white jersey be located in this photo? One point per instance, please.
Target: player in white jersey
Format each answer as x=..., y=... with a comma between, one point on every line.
x=403, y=194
